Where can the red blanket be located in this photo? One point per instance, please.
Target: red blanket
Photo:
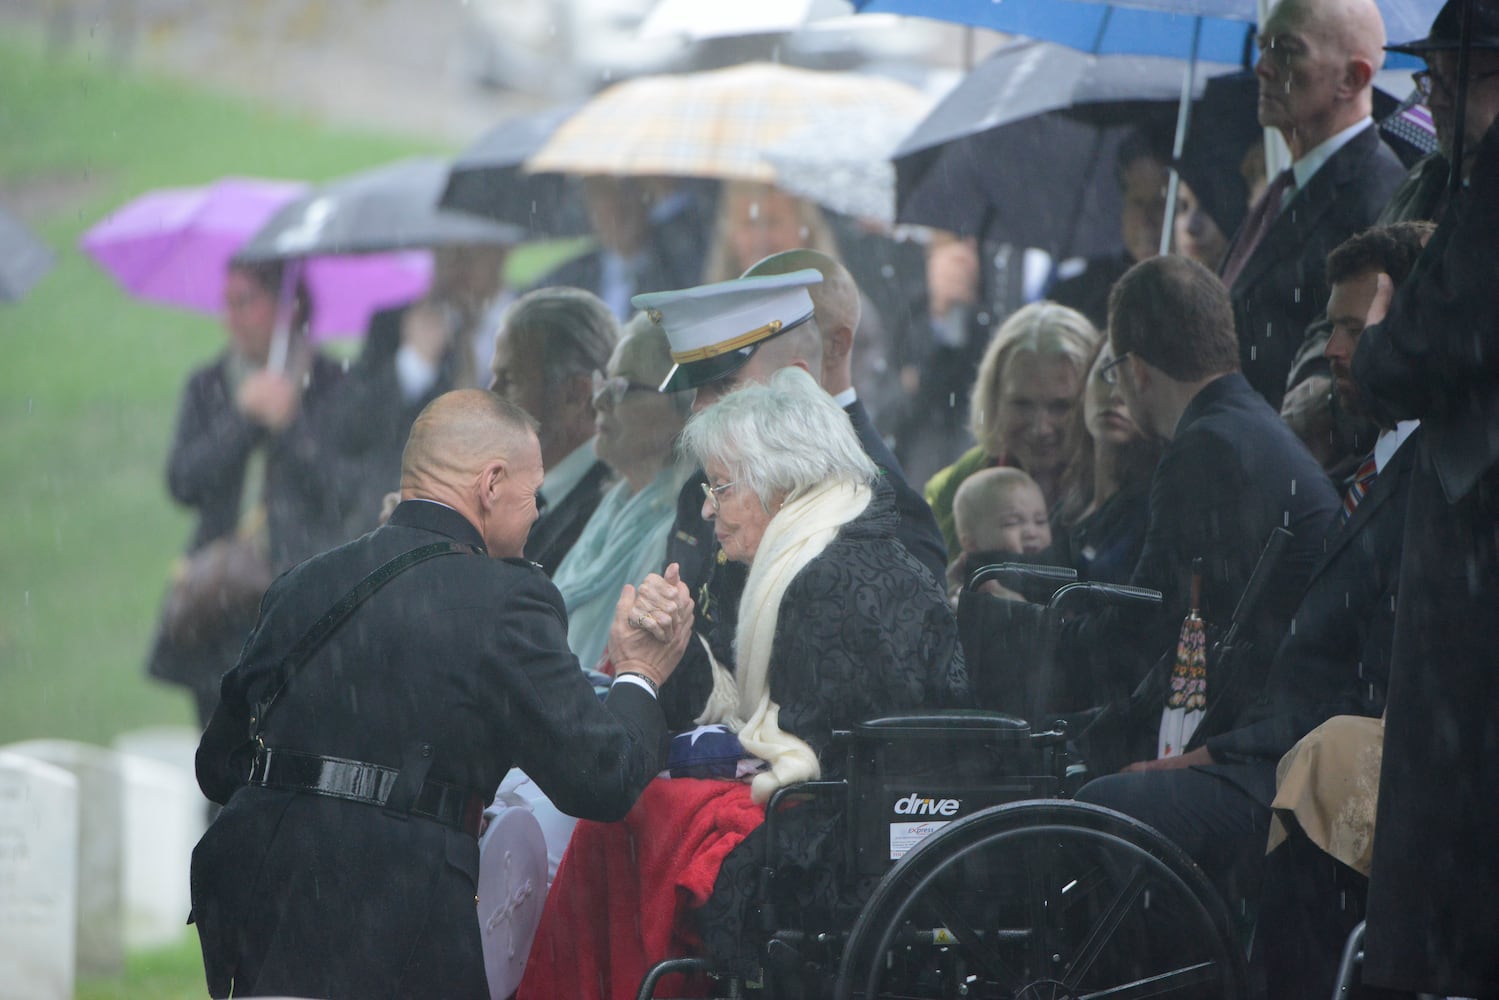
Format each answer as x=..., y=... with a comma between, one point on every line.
x=620, y=901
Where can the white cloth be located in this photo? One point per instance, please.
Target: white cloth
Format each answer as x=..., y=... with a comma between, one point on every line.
x=797, y=534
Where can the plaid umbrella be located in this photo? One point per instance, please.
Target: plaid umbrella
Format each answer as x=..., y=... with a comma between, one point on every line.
x=717, y=124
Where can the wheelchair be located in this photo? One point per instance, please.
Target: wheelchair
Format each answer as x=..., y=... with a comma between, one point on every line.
x=988, y=881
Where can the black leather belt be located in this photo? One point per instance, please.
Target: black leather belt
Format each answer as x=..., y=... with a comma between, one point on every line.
x=356, y=781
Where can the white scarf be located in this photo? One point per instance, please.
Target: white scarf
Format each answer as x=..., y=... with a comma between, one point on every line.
x=796, y=535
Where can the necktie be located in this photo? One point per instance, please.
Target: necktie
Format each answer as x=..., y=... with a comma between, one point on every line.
x=1362, y=480
x=1261, y=218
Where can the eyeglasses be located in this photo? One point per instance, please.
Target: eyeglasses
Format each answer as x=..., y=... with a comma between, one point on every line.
x=1109, y=373
x=714, y=492
x=1427, y=82
x=615, y=388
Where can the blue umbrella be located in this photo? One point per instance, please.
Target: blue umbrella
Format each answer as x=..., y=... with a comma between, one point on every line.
x=1095, y=27
x=1403, y=19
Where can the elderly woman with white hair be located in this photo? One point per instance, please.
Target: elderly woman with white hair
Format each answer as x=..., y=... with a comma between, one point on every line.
x=837, y=623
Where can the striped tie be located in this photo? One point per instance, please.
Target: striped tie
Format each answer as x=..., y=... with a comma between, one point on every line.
x=1362, y=480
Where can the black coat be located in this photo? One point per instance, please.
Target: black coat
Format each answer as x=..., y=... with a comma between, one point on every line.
x=1283, y=286
x=371, y=419
x=1335, y=660
x=675, y=251
x=557, y=529
x=1232, y=472
x=305, y=504
x=305, y=497
x=716, y=583
x=1433, y=914
x=862, y=631
x=307, y=895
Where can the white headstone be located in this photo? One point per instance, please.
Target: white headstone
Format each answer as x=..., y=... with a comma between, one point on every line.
x=38, y=879
x=163, y=818
x=175, y=745
x=101, y=876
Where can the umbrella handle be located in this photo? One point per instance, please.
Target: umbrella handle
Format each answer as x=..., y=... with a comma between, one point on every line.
x=286, y=298
x=1183, y=120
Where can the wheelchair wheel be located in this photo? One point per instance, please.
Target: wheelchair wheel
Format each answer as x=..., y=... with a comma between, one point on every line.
x=1043, y=900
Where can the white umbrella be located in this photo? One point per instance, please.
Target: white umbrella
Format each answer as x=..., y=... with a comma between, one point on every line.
x=699, y=19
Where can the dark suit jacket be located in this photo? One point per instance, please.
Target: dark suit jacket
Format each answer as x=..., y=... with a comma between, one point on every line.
x=557, y=529
x=305, y=495
x=304, y=500
x=371, y=420
x=461, y=661
x=1431, y=926
x=675, y=252
x=1335, y=660
x=1232, y=472
x=1283, y=286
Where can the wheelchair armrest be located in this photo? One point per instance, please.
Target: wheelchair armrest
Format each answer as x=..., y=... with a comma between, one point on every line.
x=1102, y=593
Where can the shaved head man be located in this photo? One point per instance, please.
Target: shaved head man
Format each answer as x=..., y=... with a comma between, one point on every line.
x=478, y=454
x=1316, y=68
x=388, y=686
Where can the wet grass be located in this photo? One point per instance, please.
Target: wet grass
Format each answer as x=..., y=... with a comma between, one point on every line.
x=89, y=379
x=171, y=973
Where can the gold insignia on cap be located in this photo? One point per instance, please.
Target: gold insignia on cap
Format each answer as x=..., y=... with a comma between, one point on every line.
x=732, y=344
x=655, y=315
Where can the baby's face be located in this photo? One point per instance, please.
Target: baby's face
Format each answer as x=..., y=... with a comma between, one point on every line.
x=1018, y=522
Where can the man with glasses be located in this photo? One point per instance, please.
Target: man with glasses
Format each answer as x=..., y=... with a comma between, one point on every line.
x=1423, y=193
x=1316, y=69
x=552, y=342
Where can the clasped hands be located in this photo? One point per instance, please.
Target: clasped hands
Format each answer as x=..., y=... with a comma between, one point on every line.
x=652, y=625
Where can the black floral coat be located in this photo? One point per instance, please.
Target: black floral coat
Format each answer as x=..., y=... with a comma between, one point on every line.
x=864, y=630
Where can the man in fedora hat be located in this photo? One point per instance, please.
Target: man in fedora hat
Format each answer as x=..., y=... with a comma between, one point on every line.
x=1432, y=916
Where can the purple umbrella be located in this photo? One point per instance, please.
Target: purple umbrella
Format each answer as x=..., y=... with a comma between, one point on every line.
x=173, y=245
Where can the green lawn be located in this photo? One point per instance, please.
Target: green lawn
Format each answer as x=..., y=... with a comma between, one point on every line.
x=89, y=379
x=89, y=382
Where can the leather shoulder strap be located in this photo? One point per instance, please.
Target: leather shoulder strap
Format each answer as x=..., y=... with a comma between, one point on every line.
x=335, y=616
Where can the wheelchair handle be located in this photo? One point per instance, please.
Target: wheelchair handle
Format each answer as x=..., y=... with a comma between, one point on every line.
x=1269, y=562
x=1014, y=573
x=1103, y=593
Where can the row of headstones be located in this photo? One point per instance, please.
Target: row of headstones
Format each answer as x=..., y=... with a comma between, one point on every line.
x=94, y=852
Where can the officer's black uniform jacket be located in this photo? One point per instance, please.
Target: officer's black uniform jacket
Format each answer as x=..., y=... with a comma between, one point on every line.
x=462, y=655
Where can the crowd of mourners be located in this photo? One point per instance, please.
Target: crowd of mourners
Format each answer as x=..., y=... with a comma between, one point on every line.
x=719, y=467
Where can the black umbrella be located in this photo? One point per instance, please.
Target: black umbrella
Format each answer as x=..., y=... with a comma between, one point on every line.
x=1023, y=149
x=393, y=207
x=24, y=259
x=486, y=179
